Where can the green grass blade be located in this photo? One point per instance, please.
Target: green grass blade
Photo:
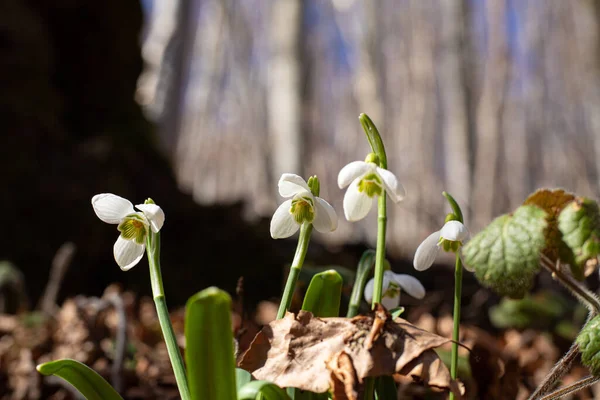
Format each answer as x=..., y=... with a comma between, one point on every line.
x=209, y=346
x=363, y=271
x=87, y=381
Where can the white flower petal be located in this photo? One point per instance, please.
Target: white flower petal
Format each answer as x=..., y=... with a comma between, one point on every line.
x=291, y=184
x=426, y=252
x=391, y=302
x=154, y=214
x=371, y=285
x=394, y=189
x=283, y=224
x=111, y=208
x=454, y=231
x=352, y=171
x=128, y=253
x=326, y=219
x=356, y=204
x=410, y=285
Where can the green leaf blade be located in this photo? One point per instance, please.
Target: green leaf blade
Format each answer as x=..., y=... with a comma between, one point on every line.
x=87, y=381
x=209, y=346
x=505, y=255
x=324, y=294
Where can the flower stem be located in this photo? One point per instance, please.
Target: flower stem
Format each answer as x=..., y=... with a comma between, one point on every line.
x=158, y=292
x=288, y=292
x=380, y=251
x=378, y=148
x=458, y=272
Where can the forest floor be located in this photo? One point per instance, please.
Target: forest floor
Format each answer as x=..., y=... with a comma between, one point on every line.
x=119, y=336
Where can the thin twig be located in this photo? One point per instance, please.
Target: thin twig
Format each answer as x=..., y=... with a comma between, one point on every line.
x=60, y=263
x=585, y=296
x=572, y=388
x=120, y=341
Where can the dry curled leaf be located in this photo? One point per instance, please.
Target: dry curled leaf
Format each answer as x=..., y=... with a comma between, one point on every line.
x=317, y=354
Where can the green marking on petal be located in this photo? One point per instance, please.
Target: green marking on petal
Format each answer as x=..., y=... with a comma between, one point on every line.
x=392, y=291
x=303, y=210
x=450, y=246
x=133, y=227
x=371, y=185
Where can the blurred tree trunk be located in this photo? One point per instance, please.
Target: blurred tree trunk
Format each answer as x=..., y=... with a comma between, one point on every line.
x=284, y=87
x=489, y=111
x=454, y=93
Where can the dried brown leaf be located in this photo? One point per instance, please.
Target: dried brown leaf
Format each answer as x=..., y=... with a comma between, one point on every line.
x=304, y=351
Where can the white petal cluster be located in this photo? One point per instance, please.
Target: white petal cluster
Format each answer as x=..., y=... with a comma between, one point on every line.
x=427, y=251
x=393, y=284
x=285, y=220
x=366, y=180
x=131, y=244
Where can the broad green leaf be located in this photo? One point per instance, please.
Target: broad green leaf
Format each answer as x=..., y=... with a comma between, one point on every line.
x=589, y=345
x=365, y=266
x=553, y=201
x=505, y=255
x=87, y=381
x=261, y=390
x=242, y=377
x=579, y=223
x=323, y=295
x=209, y=346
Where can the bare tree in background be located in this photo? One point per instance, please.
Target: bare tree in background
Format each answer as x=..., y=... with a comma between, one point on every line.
x=487, y=100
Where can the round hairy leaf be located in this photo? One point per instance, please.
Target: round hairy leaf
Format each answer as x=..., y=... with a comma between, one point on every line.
x=579, y=223
x=553, y=201
x=505, y=255
x=589, y=345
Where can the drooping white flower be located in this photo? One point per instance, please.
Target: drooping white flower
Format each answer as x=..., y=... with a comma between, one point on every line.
x=393, y=284
x=451, y=236
x=366, y=181
x=133, y=225
x=302, y=207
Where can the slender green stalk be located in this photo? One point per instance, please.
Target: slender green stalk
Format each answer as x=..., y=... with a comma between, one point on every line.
x=458, y=272
x=158, y=292
x=378, y=148
x=288, y=292
x=380, y=250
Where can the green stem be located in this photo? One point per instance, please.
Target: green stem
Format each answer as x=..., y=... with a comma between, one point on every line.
x=380, y=250
x=458, y=271
x=378, y=148
x=288, y=292
x=158, y=292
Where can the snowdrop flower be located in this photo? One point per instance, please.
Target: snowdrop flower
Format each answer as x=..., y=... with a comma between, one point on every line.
x=302, y=207
x=450, y=237
x=366, y=180
x=393, y=284
x=133, y=225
